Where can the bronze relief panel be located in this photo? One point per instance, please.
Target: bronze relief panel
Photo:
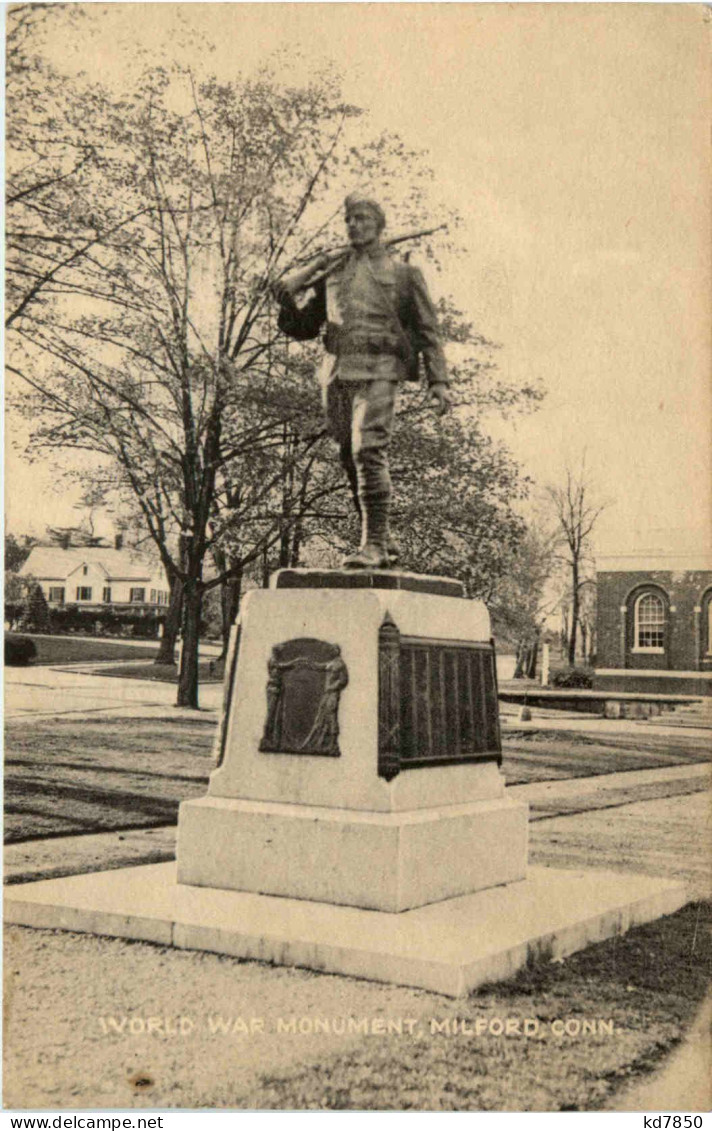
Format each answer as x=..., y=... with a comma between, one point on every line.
x=304, y=685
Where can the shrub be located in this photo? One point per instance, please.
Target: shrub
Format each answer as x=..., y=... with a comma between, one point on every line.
x=571, y=677
x=36, y=618
x=19, y=650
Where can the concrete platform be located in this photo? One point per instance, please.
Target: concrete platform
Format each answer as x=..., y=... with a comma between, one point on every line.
x=448, y=947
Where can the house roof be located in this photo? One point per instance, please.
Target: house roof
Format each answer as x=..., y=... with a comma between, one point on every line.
x=52, y=562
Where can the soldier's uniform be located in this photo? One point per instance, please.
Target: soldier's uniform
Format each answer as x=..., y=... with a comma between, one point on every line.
x=379, y=319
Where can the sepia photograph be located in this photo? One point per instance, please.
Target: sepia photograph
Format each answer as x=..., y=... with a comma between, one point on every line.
x=358, y=559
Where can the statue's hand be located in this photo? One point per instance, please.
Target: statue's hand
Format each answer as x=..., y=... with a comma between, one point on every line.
x=282, y=292
x=288, y=286
x=440, y=398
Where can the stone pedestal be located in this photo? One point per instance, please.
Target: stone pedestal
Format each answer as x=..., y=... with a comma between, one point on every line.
x=359, y=751
x=358, y=766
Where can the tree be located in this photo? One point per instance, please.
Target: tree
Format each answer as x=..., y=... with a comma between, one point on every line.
x=53, y=147
x=36, y=617
x=575, y=512
x=17, y=552
x=158, y=351
x=17, y=591
x=197, y=211
x=521, y=599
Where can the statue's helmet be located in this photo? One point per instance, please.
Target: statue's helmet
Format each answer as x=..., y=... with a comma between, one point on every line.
x=357, y=199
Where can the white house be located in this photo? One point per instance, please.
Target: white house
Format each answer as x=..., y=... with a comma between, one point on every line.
x=91, y=576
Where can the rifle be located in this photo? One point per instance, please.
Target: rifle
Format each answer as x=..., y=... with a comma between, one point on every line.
x=324, y=263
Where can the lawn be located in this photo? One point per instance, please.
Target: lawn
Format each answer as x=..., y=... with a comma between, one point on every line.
x=208, y=672
x=65, y=776
x=541, y=755
x=645, y=985
x=88, y=649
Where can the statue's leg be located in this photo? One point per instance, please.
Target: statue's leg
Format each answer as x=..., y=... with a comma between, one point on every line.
x=338, y=414
x=347, y=462
x=371, y=430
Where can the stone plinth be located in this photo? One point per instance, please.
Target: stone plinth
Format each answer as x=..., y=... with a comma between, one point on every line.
x=388, y=579
x=449, y=947
x=385, y=792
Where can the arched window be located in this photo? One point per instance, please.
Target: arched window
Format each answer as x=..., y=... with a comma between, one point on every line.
x=649, y=623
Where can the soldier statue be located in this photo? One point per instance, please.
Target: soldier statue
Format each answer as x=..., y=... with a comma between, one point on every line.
x=379, y=320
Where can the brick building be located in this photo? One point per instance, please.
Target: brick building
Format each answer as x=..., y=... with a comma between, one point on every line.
x=655, y=622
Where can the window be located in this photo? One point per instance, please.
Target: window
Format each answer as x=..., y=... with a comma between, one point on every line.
x=85, y=570
x=56, y=594
x=649, y=623
x=106, y=595
x=84, y=593
x=137, y=595
x=153, y=596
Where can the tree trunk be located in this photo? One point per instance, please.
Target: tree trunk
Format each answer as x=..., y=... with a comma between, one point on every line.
x=574, y=613
x=188, y=678
x=564, y=633
x=532, y=653
x=584, y=641
x=519, y=666
x=171, y=627
x=229, y=604
x=296, y=545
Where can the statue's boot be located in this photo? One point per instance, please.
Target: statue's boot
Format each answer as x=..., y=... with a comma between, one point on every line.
x=392, y=548
x=373, y=552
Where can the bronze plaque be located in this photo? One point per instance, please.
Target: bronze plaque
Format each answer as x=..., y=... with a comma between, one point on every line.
x=437, y=702
x=304, y=685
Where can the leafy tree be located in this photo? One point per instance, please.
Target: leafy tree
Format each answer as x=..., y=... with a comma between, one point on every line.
x=197, y=210
x=53, y=156
x=170, y=366
x=16, y=552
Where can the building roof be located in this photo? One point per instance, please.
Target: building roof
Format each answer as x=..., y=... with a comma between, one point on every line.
x=55, y=563
x=652, y=561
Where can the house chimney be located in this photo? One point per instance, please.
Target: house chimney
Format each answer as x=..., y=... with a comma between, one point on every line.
x=118, y=541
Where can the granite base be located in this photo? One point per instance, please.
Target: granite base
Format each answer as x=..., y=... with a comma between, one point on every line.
x=384, y=861
x=449, y=947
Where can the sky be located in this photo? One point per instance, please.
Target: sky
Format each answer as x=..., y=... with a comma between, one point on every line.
x=574, y=141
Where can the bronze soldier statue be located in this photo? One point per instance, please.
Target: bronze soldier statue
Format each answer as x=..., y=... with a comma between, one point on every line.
x=379, y=320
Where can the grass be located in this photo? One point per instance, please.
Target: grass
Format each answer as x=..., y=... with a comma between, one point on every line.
x=82, y=649
x=162, y=673
x=648, y=983
x=65, y=776
x=540, y=755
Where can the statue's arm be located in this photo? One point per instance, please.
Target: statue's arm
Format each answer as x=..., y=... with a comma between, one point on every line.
x=303, y=322
x=424, y=322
